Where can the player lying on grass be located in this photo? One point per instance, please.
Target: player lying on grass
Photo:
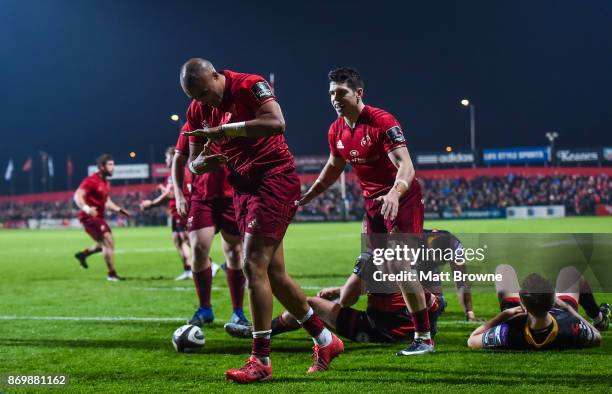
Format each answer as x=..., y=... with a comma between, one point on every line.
x=537, y=317
x=179, y=223
x=386, y=318
x=92, y=199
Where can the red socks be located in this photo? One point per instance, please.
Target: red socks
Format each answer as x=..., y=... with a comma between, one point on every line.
x=203, y=285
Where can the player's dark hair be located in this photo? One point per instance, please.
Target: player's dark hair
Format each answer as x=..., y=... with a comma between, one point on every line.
x=103, y=159
x=537, y=295
x=347, y=75
x=170, y=150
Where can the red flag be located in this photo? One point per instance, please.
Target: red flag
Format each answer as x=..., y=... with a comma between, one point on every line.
x=27, y=166
x=69, y=167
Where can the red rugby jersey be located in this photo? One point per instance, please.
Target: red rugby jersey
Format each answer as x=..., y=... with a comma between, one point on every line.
x=96, y=193
x=366, y=148
x=211, y=184
x=249, y=159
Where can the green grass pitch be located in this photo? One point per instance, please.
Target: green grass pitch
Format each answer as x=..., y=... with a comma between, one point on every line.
x=40, y=278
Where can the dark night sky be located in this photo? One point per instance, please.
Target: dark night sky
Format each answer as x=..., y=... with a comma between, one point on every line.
x=82, y=77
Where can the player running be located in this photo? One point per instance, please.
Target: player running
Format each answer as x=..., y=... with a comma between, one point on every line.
x=372, y=141
x=385, y=319
x=92, y=199
x=239, y=113
x=537, y=317
x=179, y=224
x=210, y=210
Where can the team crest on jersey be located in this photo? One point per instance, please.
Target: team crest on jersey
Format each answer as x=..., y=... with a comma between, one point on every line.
x=339, y=145
x=366, y=141
x=354, y=153
x=395, y=134
x=262, y=90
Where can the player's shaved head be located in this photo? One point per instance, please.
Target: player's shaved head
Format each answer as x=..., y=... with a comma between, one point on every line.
x=194, y=69
x=202, y=82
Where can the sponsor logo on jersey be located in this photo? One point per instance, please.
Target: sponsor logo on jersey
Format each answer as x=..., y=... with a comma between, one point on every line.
x=395, y=134
x=262, y=90
x=339, y=145
x=354, y=153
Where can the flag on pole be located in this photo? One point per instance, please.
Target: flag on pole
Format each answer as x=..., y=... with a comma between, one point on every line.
x=8, y=174
x=27, y=166
x=50, y=167
x=69, y=167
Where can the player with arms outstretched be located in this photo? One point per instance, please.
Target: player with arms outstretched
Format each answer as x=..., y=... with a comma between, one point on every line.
x=209, y=210
x=536, y=316
x=239, y=113
x=372, y=141
x=92, y=198
x=179, y=223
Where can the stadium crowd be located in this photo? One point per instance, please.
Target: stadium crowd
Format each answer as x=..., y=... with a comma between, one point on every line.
x=579, y=195
x=67, y=209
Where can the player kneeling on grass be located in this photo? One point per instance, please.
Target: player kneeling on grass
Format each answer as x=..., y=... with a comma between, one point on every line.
x=92, y=199
x=386, y=318
x=537, y=317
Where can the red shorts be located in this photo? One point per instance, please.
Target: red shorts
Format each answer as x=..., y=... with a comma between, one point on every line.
x=95, y=227
x=179, y=223
x=268, y=209
x=409, y=218
x=217, y=212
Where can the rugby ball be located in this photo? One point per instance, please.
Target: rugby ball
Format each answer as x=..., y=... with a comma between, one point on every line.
x=188, y=339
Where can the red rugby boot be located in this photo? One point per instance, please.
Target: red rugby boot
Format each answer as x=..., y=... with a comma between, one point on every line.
x=323, y=356
x=251, y=372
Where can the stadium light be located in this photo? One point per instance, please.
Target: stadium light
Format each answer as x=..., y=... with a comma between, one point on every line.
x=468, y=104
x=175, y=117
x=552, y=136
x=449, y=149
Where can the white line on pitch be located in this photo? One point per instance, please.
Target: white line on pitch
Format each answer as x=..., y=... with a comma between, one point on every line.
x=214, y=288
x=167, y=319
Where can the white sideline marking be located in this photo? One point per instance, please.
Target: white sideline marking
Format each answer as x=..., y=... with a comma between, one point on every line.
x=94, y=318
x=214, y=288
x=169, y=319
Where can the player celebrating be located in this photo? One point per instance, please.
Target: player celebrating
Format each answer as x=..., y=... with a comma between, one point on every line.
x=537, y=317
x=385, y=319
x=92, y=199
x=372, y=141
x=179, y=224
x=210, y=210
x=239, y=113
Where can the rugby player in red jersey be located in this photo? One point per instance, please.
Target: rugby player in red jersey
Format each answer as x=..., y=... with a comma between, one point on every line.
x=372, y=141
x=239, y=113
x=210, y=210
x=536, y=316
x=179, y=223
x=92, y=199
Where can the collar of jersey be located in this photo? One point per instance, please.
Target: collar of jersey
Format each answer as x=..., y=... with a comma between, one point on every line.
x=360, y=118
x=552, y=335
x=227, y=91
